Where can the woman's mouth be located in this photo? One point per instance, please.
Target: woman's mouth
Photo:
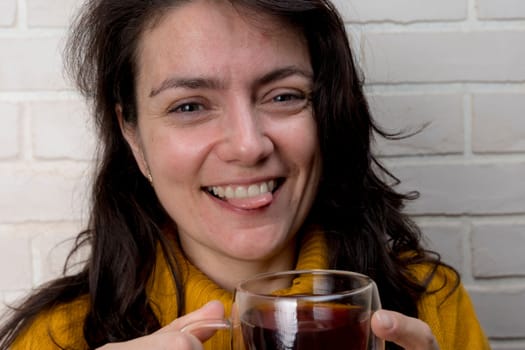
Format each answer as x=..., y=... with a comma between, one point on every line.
x=239, y=191
x=252, y=196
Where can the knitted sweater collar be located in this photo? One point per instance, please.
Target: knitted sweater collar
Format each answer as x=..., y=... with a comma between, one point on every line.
x=199, y=289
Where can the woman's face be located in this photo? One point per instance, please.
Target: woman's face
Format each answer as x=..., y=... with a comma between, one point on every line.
x=225, y=127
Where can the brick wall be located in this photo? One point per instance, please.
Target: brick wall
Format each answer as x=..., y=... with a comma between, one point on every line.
x=46, y=145
x=456, y=66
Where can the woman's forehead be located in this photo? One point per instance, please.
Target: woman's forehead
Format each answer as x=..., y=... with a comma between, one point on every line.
x=203, y=36
x=187, y=13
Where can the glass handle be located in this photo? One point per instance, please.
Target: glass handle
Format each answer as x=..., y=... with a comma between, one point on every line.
x=375, y=304
x=206, y=325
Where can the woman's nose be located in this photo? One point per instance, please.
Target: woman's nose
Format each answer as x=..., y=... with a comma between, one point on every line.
x=245, y=140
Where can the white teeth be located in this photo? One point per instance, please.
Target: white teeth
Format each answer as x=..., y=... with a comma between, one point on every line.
x=241, y=192
x=253, y=190
x=229, y=193
x=219, y=191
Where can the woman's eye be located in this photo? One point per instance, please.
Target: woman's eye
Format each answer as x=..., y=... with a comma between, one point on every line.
x=288, y=97
x=187, y=108
x=190, y=111
x=285, y=101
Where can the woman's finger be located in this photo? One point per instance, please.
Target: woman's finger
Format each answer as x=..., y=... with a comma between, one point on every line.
x=212, y=310
x=170, y=336
x=159, y=341
x=407, y=332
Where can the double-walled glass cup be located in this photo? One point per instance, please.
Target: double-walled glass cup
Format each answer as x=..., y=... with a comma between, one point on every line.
x=301, y=310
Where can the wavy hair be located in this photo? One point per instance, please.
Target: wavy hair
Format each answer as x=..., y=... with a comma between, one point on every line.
x=356, y=203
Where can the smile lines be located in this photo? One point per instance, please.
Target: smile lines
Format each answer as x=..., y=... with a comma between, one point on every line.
x=253, y=190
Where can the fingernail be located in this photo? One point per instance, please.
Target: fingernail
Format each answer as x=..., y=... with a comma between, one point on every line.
x=385, y=320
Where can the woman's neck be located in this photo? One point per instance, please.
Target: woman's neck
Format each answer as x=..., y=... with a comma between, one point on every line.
x=227, y=272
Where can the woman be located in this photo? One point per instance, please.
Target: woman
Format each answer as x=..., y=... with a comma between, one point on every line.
x=236, y=140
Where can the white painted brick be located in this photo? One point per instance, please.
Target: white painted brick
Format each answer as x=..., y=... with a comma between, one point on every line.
x=61, y=129
x=401, y=10
x=11, y=299
x=15, y=261
x=447, y=240
x=507, y=345
x=51, y=193
x=51, y=13
x=444, y=56
x=501, y=9
x=50, y=250
x=444, y=133
x=497, y=250
x=31, y=64
x=9, y=130
x=501, y=311
x=7, y=13
x=354, y=34
x=464, y=188
x=498, y=123
x=13, y=296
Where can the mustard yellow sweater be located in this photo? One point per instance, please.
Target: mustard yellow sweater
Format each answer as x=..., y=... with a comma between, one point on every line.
x=451, y=316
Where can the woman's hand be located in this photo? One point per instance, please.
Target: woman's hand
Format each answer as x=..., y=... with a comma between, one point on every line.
x=408, y=332
x=170, y=337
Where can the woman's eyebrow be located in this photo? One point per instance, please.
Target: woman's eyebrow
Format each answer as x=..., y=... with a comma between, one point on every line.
x=188, y=83
x=210, y=83
x=282, y=73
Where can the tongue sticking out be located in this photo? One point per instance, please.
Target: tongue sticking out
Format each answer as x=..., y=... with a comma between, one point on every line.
x=251, y=202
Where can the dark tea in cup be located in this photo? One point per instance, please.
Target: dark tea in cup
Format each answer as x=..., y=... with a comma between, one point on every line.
x=305, y=326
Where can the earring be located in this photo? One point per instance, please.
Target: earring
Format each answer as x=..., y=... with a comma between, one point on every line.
x=150, y=178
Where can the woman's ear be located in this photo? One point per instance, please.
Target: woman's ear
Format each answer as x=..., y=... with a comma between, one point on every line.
x=132, y=137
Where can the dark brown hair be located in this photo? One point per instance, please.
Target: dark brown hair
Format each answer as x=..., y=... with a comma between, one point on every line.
x=356, y=206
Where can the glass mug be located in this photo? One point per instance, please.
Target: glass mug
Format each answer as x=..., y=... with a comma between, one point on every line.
x=301, y=310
